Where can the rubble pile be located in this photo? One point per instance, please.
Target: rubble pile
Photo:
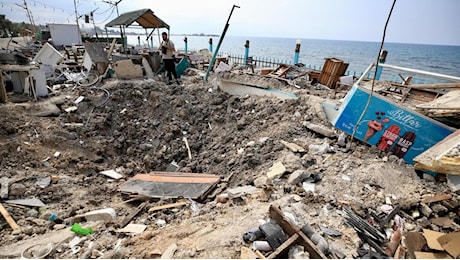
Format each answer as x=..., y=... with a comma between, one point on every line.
x=286, y=179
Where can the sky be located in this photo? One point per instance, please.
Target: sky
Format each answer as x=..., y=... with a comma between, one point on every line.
x=412, y=21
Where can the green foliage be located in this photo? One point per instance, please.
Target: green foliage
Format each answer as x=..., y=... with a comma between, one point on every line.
x=8, y=28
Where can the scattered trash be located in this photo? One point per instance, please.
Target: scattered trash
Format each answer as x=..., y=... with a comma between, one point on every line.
x=38, y=251
x=134, y=228
x=320, y=148
x=105, y=215
x=79, y=230
x=171, y=185
x=44, y=182
x=261, y=245
x=308, y=186
x=79, y=99
x=27, y=202
x=193, y=205
x=112, y=174
x=161, y=223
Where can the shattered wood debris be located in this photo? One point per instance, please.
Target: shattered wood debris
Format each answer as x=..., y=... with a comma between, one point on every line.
x=442, y=157
x=171, y=185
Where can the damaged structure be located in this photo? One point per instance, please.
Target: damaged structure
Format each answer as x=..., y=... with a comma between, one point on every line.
x=102, y=159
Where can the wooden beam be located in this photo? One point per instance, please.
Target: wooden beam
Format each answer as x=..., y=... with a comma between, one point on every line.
x=284, y=248
x=167, y=206
x=277, y=215
x=128, y=218
x=3, y=95
x=8, y=218
x=435, y=86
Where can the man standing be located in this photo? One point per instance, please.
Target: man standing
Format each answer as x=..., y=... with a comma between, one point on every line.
x=167, y=48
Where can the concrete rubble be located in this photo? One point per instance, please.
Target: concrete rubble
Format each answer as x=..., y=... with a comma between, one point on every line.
x=289, y=180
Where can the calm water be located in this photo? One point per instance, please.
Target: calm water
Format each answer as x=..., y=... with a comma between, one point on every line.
x=433, y=58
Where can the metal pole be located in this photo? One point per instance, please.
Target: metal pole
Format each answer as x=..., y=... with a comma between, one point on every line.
x=186, y=44
x=94, y=25
x=246, y=52
x=31, y=19
x=383, y=57
x=211, y=63
x=297, y=51
x=121, y=28
x=76, y=18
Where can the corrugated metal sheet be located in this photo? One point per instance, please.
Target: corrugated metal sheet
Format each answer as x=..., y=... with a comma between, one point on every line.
x=143, y=17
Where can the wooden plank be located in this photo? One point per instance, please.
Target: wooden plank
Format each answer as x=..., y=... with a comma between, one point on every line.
x=171, y=185
x=283, y=248
x=112, y=45
x=291, y=230
x=3, y=95
x=8, y=218
x=167, y=206
x=260, y=255
x=446, y=101
x=430, y=159
x=128, y=218
x=176, y=178
x=437, y=198
x=279, y=217
x=433, y=86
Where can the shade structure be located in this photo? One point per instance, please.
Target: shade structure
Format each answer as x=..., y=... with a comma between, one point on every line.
x=144, y=18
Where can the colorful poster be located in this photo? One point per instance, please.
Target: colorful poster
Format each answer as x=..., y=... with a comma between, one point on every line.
x=389, y=126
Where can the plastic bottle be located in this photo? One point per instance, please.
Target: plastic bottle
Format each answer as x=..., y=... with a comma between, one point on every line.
x=79, y=230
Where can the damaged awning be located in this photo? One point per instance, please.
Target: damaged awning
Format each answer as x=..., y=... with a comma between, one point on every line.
x=144, y=18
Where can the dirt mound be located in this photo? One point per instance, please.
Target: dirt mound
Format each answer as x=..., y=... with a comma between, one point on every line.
x=138, y=126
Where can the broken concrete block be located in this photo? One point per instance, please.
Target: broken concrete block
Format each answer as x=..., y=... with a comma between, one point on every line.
x=297, y=177
x=293, y=147
x=105, y=215
x=148, y=69
x=425, y=210
x=169, y=252
x=262, y=181
x=126, y=69
x=454, y=182
x=276, y=171
x=242, y=191
x=112, y=174
x=320, y=129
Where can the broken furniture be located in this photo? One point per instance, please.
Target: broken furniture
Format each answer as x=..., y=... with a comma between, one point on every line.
x=163, y=185
x=26, y=79
x=281, y=71
x=333, y=69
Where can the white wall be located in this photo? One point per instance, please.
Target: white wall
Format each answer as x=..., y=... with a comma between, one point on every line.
x=64, y=34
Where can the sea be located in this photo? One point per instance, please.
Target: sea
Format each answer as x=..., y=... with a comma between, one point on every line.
x=442, y=59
